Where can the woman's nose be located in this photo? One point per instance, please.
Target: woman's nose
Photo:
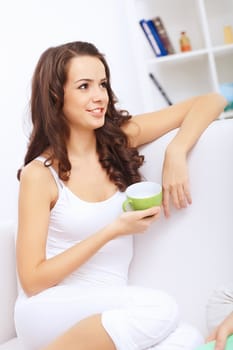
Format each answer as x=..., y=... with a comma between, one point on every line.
x=98, y=94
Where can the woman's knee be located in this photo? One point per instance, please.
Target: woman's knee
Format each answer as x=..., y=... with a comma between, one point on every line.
x=149, y=318
x=160, y=307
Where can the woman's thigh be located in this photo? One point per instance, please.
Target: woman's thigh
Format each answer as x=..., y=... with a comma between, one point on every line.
x=88, y=334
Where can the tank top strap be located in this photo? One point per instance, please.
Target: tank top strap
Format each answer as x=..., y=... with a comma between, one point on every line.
x=58, y=181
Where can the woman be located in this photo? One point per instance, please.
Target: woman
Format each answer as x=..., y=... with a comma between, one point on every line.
x=74, y=244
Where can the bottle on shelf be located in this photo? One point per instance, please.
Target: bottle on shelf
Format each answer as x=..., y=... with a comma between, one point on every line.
x=185, y=44
x=228, y=35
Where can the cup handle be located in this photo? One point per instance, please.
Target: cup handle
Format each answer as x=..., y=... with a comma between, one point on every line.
x=127, y=205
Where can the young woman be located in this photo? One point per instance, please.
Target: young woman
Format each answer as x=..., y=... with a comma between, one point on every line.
x=74, y=243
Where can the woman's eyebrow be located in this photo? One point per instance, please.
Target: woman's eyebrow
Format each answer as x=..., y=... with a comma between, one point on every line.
x=88, y=79
x=83, y=79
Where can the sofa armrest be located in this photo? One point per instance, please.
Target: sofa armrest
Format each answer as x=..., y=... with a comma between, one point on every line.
x=190, y=254
x=8, y=290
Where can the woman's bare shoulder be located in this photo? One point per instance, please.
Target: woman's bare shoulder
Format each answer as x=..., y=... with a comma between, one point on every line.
x=37, y=174
x=36, y=180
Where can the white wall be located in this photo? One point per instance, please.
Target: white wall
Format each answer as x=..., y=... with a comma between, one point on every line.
x=27, y=28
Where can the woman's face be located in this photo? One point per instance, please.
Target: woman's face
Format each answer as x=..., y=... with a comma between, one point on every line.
x=85, y=93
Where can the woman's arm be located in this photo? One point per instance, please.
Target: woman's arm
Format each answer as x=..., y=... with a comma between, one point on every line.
x=38, y=192
x=222, y=332
x=191, y=118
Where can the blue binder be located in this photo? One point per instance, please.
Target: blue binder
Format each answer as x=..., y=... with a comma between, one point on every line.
x=151, y=37
x=157, y=38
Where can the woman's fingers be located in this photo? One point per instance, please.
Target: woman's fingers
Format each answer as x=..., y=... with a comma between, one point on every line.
x=179, y=195
x=150, y=211
x=166, y=202
x=187, y=193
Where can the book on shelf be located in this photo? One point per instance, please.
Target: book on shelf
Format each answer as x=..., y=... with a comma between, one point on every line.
x=162, y=32
x=157, y=36
x=153, y=37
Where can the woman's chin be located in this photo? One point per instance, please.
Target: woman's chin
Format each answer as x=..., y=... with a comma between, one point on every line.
x=99, y=123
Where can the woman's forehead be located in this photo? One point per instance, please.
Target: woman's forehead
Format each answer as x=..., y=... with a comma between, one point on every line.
x=85, y=67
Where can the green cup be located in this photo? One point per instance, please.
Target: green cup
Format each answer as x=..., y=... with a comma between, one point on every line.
x=211, y=345
x=142, y=195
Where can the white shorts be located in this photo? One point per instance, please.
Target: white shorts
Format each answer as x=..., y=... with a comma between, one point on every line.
x=135, y=318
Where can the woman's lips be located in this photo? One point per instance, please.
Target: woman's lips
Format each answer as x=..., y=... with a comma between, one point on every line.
x=97, y=112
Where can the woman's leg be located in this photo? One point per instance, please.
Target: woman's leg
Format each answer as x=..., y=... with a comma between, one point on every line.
x=87, y=334
x=147, y=319
x=143, y=317
x=134, y=318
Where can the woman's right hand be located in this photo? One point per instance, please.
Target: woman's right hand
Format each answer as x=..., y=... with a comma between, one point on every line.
x=137, y=221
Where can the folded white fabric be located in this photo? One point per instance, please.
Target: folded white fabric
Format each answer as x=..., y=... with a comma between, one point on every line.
x=219, y=306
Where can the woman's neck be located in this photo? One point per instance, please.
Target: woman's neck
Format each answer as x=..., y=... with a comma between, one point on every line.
x=81, y=144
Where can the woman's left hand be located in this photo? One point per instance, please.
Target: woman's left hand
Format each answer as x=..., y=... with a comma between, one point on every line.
x=175, y=180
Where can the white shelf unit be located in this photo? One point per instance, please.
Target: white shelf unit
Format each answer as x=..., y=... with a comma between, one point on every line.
x=182, y=75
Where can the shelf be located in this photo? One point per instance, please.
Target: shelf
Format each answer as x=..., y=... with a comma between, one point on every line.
x=177, y=81
x=178, y=56
x=223, y=49
x=184, y=74
x=219, y=50
x=187, y=17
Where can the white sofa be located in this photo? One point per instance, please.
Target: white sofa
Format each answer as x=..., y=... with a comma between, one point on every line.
x=188, y=255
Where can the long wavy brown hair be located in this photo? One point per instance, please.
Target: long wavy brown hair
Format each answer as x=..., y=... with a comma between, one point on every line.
x=50, y=128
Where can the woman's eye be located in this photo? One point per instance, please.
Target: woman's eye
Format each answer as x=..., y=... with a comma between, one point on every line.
x=104, y=84
x=83, y=86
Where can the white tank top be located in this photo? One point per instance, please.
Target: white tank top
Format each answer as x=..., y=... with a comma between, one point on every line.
x=72, y=220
